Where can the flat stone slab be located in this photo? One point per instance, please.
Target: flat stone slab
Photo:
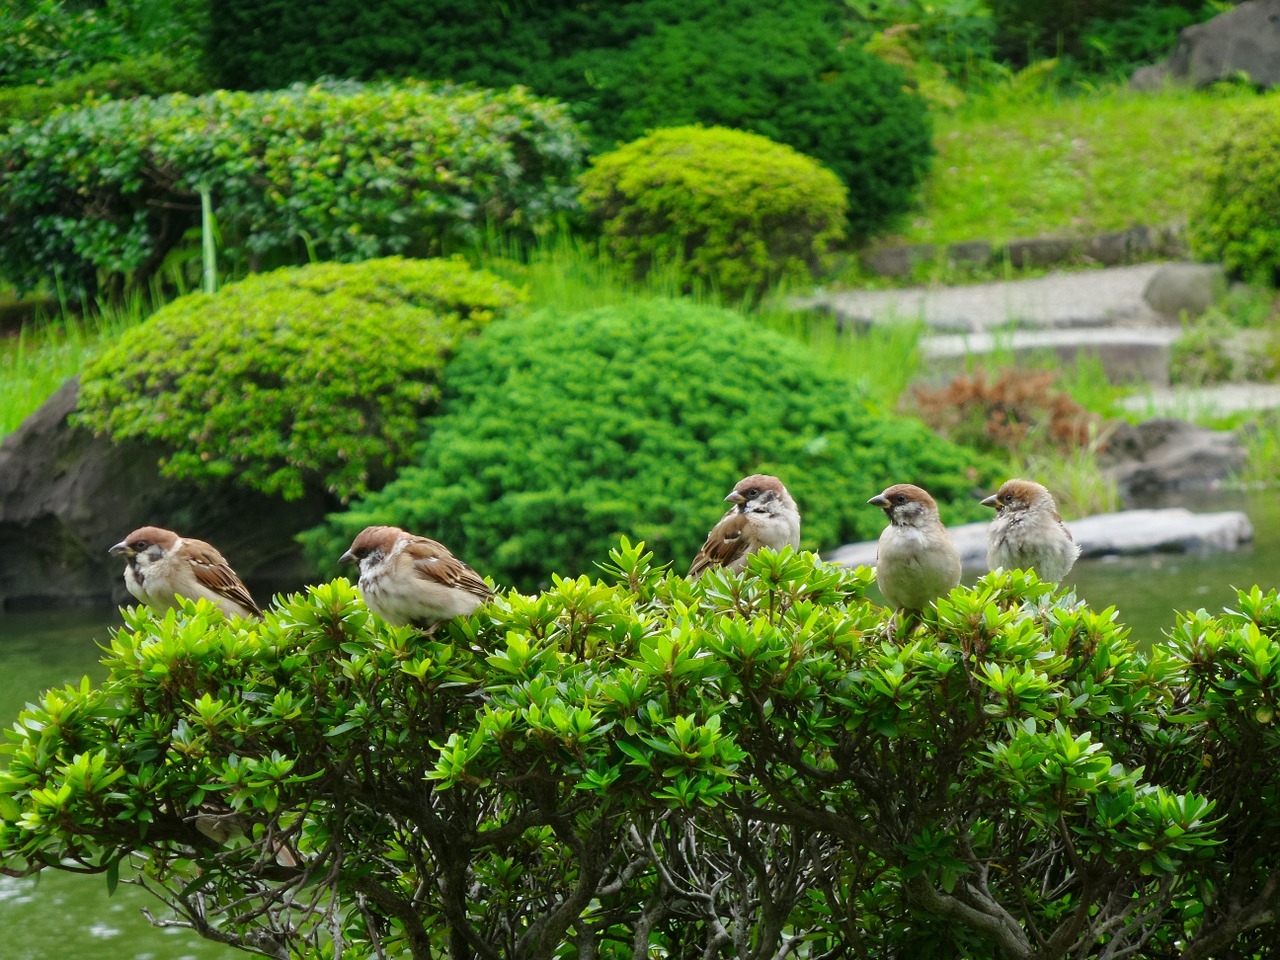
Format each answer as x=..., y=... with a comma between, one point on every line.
x=1169, y=530
x=1126, y=355
x=1189, y=403
x=1059, y=300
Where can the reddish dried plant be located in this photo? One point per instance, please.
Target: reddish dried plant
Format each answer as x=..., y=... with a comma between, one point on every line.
x=1017, y=411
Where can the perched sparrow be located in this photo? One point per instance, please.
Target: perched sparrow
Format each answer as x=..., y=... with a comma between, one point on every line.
x=413, y=580
x=916, y=562
x=164, y=566
x=763, y=515
x=1027, y=533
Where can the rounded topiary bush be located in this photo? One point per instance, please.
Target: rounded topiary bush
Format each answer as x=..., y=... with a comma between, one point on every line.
x=730, y=209
x=562, y=432
x=305, y=378
x=1237, y=222
x=785, y=72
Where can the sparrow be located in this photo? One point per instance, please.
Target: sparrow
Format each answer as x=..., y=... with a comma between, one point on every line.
x=164, y=566
x=407, y=579
x=916, y=562
x=763, y=515
x=1027, y=533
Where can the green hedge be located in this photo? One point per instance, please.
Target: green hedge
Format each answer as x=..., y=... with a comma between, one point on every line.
x=151, y=75
x=351, y=171
x=1237, y=222
x=731, y=210
x=791, y=71
x=310, y=377
x=561, y=432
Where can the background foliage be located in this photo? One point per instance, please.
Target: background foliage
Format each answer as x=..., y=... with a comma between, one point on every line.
x=730, y=210
x=306, y=378
x=340, y=171
x=563, y=430
x=647, y=764
x=788, y=71
x=1236, y=223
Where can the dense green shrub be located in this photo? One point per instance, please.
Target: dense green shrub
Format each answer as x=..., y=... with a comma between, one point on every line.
x=1028, y=30
x=562, y=431
x=49, y=40
x=631, y=767
x=786, y=70
x=306, y=378
x=150, y=75
x=734, y=210
x=1237, y=223
x=780, y=71
x=354, y=171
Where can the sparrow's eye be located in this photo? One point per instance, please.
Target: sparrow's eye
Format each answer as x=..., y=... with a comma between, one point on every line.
x=899, y=498
x=138, y=546
x=751, y=493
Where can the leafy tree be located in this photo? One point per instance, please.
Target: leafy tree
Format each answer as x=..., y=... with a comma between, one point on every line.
x=744, y=766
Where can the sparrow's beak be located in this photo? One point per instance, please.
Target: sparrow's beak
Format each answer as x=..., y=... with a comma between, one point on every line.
x=991, y=502
x=121, y=549
x=735, y=497
x=347, y=557
x=879, y=500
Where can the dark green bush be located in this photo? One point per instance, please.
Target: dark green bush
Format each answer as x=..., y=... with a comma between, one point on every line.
x=562, y=431
x=783, y=72
x=352, y=171
x=787, y=71
x=1237, y=222
x=150, y=75
x=308, y=377
x=735, y=211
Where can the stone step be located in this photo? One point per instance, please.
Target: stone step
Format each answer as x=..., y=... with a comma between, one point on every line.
x=1193, y=403
x=1168, y=530
x=1127, y=356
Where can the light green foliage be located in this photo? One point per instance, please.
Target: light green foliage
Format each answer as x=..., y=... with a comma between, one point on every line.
x=562, y=431
x=1237, y=222
x=630, y=766
x=734, y=210
x=339, y=171
x=1028, y=166
x=306, y=378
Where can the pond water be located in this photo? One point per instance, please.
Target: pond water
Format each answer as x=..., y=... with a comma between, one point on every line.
x=72, y=918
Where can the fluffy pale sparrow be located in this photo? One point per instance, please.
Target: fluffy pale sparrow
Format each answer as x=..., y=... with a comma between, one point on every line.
x=763, y=515
x=1027, y=533
x=407, y=579
x=916, y=562
x=164, y=566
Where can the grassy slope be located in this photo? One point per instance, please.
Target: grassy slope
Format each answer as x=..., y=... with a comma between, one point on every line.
x=1068, y=167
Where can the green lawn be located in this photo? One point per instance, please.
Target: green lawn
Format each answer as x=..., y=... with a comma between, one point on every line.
x=1053, y=166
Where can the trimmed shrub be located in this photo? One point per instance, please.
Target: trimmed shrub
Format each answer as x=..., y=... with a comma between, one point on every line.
x=1237, y=222
x=151, y=75
x=785, y=70
x=781, y=72
x=561, y=432
x=308, y=377
x=354, y=171
x=731, y=209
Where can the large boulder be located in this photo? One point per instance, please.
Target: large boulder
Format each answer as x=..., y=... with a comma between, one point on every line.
x=1244, y=41
x=66, y=496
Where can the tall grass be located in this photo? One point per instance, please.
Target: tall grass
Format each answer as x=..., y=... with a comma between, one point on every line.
x=42, y=356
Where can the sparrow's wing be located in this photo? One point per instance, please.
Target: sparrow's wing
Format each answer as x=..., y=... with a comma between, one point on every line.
x=1063, y=526
x=726, y=543
x=433, y=561
x=213, y=571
